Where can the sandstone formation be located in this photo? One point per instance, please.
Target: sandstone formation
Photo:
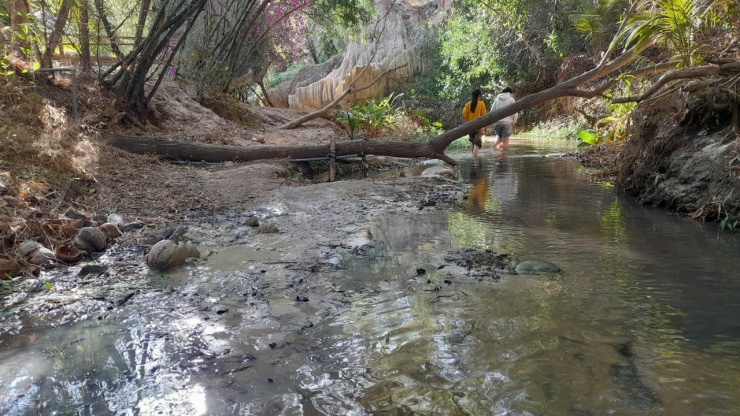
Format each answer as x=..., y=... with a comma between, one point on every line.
x=388, y=50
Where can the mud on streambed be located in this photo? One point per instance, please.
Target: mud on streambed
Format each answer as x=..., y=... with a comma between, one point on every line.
x=249, y=301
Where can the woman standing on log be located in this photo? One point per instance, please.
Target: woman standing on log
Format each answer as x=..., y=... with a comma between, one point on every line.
x=474, y=109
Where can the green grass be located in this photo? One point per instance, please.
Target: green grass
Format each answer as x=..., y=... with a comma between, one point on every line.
x=562, y=130
x=461, y=143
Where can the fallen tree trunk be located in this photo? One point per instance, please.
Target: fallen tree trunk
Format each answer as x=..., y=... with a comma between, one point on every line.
x=175, y=150
x=432, y=149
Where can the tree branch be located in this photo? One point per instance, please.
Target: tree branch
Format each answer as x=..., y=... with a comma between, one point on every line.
x=683, y=73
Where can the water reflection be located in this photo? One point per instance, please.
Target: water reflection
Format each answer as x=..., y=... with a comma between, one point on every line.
x=625, y=330
x=480, y=182
x=642, y=320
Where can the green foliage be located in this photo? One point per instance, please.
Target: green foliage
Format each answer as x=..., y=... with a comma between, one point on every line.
x=461, y=143
x=468, y=56
x=275, y=78
x=423, y=93
x=7, y=285
x=599, y=22
x=554, y=129
x=521, y=43
x=671, y=23
x=421, y=127
x=374, y=115
x=371, y=116
x=339, y=18
x=351, y=120
x=5, y=68
x=589, y=138
x=609, y=129
x=614, y=126
x=727, y=223
x=424, y=122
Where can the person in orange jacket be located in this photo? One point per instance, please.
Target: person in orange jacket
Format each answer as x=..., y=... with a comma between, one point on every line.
x=472, y=110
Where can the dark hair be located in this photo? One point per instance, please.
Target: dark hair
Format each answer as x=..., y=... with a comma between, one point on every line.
x=474, y=100
x=508, y=89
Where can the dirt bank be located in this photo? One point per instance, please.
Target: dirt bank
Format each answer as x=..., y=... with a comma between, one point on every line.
x=683, y=155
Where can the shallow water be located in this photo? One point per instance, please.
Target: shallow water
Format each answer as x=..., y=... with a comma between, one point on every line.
x=642, y=318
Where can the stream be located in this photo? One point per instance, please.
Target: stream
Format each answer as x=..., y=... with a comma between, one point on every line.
x=641, y=319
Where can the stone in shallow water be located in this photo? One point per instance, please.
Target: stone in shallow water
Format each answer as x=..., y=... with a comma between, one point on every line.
x=253, y=221
x=536, y=267
x=168, y=254
x=267, y=229
x=437, y=171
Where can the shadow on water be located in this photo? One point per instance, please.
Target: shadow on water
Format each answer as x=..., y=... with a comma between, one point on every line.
x=642, y=318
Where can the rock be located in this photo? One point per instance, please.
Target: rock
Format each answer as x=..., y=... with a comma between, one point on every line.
x=73, y=214
x=390, y=55
x=437, y=171
x=637, y=395
x=252, y=221
x=100, y=218
x=267, y=229
x=35, y=253
x=42, y=256
x=92, y=269
x=27, y=248
x=173, y=233
x=536, y=267
x=115, y=219
x=90, y=239
x=111, y=231
x=168, y=254
x=131, y=226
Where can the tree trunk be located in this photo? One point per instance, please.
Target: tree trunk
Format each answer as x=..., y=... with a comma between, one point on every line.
x=170, y=149
x=84, y=26
x=133, y=71
x=109, y=31
x=55, y=39
x=18, y=12
x=143, y=13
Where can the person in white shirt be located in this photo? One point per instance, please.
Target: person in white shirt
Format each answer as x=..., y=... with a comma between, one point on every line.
x=504, y=127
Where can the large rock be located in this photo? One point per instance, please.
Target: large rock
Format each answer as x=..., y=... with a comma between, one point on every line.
x=436, y=171
x=389, y=50
x=168, y=254
x=35, y=253
x=90, y=239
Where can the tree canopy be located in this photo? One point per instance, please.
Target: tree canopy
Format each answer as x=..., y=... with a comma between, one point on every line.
x=222, y=45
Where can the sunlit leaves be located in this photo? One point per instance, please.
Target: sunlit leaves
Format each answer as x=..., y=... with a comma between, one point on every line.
x=587, y=137
x=467, y=49
x=672, y=23
x=599, y=22
x=489, y=44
